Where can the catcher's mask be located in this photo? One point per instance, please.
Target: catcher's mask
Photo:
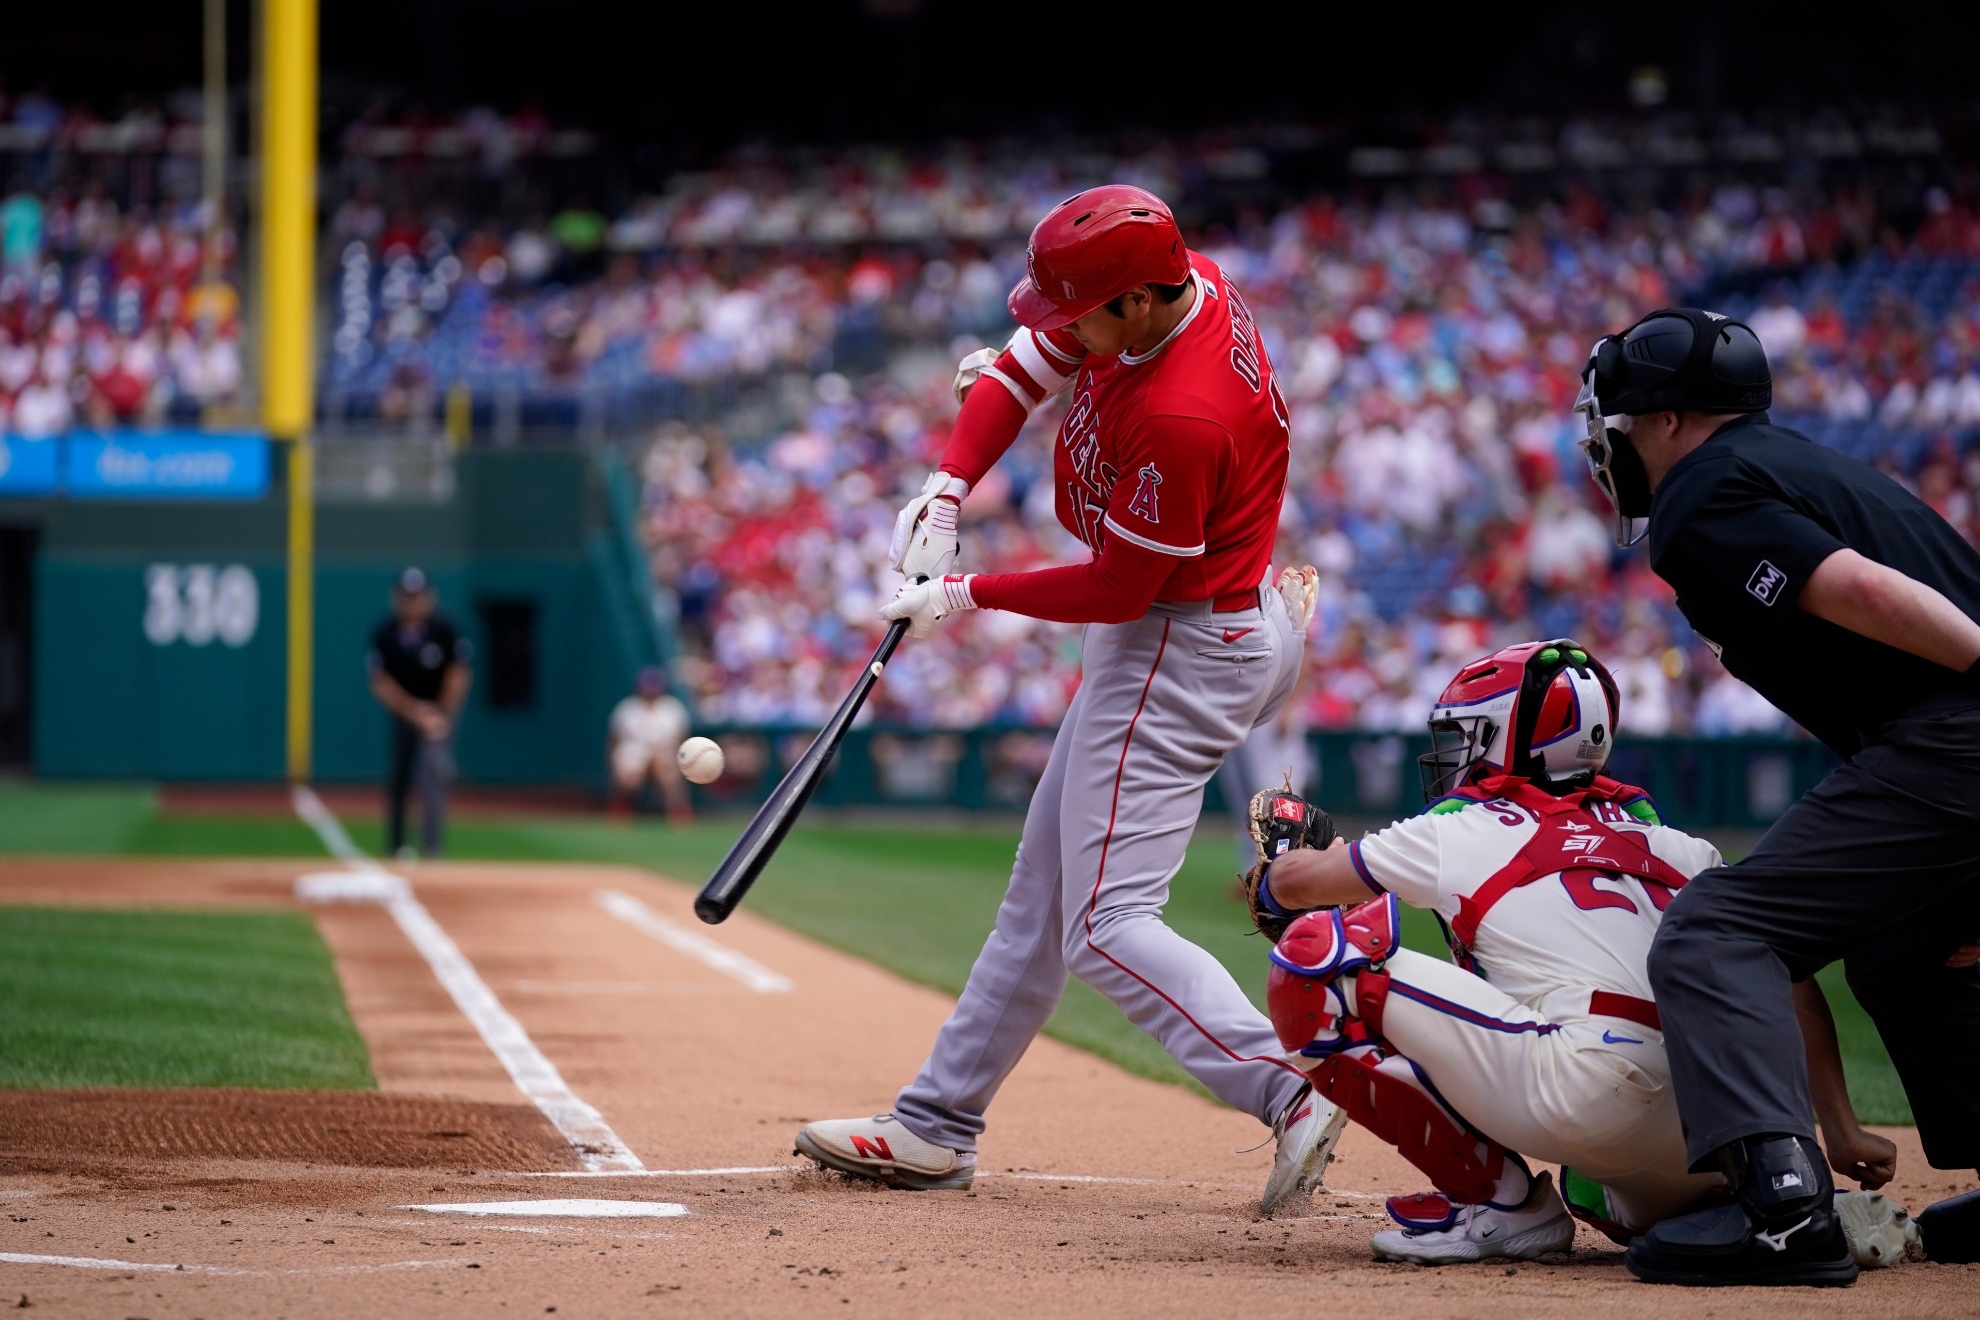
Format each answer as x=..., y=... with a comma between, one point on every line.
x=1679, y=359
x=1542, y=710
x=1615, y=466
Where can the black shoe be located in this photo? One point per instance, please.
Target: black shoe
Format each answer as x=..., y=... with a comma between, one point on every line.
x=1950, y=1229
x=1782, y=1231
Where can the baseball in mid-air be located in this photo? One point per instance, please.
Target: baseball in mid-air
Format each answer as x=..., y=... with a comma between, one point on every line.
x=701, y=760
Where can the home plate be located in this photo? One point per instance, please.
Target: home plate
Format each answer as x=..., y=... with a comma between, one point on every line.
x=579, y=1208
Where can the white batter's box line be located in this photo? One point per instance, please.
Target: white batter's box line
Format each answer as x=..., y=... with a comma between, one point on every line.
x=1198, y=1184
x=693, y=943
x=597, y=1145
x=154, y=1267
x=579, y=1208
x=672, y=1173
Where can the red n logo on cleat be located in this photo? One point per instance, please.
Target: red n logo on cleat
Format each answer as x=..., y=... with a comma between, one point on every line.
x=1143, y=503
x=874, y=1148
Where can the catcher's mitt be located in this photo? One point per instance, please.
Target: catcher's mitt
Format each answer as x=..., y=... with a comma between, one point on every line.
x=1281, y=820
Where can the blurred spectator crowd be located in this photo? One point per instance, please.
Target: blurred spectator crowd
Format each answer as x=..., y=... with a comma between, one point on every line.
x=111, y=315
x=1428, y=309
x=118, y=285
x=1431, y=348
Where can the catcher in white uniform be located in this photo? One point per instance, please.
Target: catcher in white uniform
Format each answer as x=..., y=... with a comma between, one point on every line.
x=1550, y=881
x=646, y=731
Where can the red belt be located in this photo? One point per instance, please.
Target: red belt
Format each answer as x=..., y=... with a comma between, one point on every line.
x=1607, y=1003
x=1237, y=600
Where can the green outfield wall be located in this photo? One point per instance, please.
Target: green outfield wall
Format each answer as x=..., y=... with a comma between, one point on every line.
x=159, y=637
x=1698, y=783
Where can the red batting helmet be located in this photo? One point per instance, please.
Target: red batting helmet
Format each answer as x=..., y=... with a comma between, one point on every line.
x=1544, y=710
x=1094, y=247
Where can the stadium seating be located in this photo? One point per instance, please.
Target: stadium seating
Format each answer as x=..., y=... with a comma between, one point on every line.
x=786, y=323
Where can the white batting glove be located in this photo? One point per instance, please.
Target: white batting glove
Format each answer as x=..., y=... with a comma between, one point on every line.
x=1300, y=589
x=970, y=368
x=925, y=602
x=924, y=541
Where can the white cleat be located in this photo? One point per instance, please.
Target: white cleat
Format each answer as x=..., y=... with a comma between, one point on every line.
x=1485, y=1232
x=1307, y=1129
x=1877, y=1228
x=881, y=1149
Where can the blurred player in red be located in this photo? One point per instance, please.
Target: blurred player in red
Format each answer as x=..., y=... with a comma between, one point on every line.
x=1170, y=465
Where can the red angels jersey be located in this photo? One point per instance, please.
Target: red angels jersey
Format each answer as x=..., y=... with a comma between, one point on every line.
x=1582, y=924
x=1181, y=450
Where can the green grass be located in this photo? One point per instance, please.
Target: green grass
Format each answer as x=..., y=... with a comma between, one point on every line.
x=917, y=899
x=73, y=818
x=123, y=997
x=1873, y=1083
x=226, y=836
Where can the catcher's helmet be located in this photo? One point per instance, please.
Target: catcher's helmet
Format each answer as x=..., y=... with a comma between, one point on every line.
x=1543, y=710
x=1093, y=247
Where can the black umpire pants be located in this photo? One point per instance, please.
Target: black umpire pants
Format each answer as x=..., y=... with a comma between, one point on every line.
x=1878, y=865
x=418, y=763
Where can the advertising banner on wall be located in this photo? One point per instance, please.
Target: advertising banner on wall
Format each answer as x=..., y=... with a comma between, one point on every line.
x=27, y=467
x=166, y=465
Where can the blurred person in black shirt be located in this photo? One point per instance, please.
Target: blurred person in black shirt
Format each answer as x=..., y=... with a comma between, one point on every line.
x=1848, y=603
x=420, y=674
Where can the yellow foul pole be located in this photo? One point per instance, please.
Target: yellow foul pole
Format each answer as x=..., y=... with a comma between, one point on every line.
x=288, y=285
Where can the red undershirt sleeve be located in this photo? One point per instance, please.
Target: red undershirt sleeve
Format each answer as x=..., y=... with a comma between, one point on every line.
x=1155, y=520
x=990, y=420
x=1032, y=368
x=1118, y=586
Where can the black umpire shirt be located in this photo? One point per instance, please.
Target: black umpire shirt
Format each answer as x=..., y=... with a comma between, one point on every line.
x=416, y=655
x=1737, y=526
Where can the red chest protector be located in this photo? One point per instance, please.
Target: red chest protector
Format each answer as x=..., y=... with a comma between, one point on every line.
x=1571, y=843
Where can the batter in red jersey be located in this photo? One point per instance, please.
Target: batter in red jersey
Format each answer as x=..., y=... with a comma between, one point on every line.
x=1170, y=465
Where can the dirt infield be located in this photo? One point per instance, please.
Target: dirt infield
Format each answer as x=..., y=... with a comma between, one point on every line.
x=50, y=1131
x=1103, y=1193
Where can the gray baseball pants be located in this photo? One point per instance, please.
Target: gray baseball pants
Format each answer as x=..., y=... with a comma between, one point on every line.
x=1161, y=701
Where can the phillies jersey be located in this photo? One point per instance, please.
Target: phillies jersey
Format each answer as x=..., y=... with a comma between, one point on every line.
x=1181, y=450
x=1574, y=926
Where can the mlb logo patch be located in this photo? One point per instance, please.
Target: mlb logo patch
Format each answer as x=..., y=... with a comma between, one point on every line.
x=1287, y=809
x=1766, y=583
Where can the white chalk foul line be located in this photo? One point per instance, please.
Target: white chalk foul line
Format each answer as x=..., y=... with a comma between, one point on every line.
x=328, y=828
x=692, y=943
x=579, y=1208
x=598, y=1147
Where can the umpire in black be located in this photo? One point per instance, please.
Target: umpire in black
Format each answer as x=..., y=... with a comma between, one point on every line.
x=1851, y=605
x=420, y=672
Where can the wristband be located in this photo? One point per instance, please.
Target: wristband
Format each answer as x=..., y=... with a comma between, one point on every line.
x=1265, y=899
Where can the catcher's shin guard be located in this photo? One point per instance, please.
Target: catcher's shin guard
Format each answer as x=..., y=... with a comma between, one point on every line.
x=1320, y=957
x=1460, y=1163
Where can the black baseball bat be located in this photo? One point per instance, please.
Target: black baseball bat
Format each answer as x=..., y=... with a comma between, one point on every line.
x=773, y=820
